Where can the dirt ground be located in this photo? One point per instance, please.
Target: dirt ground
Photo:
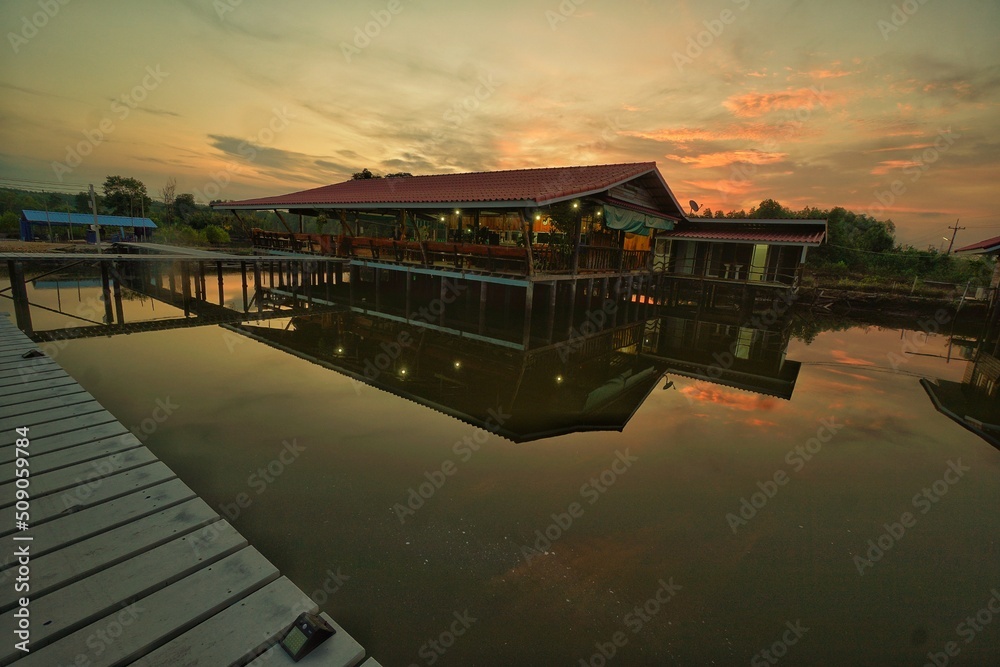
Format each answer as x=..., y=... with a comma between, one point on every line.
x=14, y=245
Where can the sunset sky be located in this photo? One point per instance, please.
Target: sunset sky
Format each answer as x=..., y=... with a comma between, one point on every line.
x=811, y=103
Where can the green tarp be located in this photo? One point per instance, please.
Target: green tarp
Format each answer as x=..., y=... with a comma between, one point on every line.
x=634, y=221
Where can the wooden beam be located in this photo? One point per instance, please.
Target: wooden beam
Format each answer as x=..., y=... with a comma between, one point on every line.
x=283, y=221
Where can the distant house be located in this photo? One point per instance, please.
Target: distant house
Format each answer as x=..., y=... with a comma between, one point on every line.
x=990, y=248
x=53, y=224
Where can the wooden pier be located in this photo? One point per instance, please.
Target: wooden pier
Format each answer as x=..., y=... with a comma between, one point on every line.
x=126, y=564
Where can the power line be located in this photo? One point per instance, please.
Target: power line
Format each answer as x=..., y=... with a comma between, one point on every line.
x=34, y=182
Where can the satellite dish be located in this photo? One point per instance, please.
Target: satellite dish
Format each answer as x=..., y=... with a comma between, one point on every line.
x=694, y=205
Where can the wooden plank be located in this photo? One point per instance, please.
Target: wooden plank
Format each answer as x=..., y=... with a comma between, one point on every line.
x=32, y=382
x=92, y=521
x=158, y=618
x=60, y=441
x=39, y=394
x=63, y=611
x=35, y=376
x=45, y=404
x=41, y=463
x=340, y=650
x=80, y=560
x=65, y=440
x=84, y=475
x=238, y=633
x=33, y=419
x=39, y=364
x=52, y=506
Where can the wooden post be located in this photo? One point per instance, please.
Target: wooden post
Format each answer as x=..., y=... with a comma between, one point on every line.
x=106, y=290
x=378, y=290
x=119, y=307
x=442, y=296
x=482, y=308
x=204, y=287
x=186, y=287
x=576, y=243
x=553, y=292
x=22, y=311
x=243, y=275
x=258, y=289
x=222, y=293
x=528, y=295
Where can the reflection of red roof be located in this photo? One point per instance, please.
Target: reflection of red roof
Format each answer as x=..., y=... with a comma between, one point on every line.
x=989, y=245
x=527, y=187
x=807, y=232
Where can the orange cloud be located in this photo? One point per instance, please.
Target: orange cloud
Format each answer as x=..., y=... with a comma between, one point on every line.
x=728, y=157
x=731, y=399
x=753, y=105
x=736, y=186
x=886, y=166
x=844, y=358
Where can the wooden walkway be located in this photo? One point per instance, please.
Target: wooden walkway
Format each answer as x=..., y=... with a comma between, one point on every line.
x=127, y=565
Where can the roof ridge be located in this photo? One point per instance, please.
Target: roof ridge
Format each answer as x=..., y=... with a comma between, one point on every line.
x=652, y=164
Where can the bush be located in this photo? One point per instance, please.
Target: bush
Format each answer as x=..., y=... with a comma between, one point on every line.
x=216, y=235
x=10, y=225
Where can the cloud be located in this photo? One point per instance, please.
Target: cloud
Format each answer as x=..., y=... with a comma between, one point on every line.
x=727, y=158
x=886, y=166
x=753, y=105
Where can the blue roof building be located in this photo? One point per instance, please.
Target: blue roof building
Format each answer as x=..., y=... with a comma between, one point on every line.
x=110, y=224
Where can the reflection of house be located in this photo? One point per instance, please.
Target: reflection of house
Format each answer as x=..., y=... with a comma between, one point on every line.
x=52, y=225
x=532, y=395
x=714, y=350
x=975, y=402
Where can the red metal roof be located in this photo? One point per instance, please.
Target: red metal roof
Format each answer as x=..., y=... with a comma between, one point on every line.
x=757, y=234
x=532, y=186
x=988, y=245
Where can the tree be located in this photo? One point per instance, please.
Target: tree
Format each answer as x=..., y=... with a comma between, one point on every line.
x=184, y=205
x=364, y=175
x=82, y=202
x=168, y=193
x=399, y=174
x=125, y=196
x=10, y=224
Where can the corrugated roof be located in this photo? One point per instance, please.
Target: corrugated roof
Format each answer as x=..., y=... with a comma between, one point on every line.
x=57, y=218
x=528, y=187
x=799, y=232
x=989, y=245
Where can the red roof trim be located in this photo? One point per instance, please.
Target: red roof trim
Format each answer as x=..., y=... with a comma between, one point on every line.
x=985, y=246
x=756, y=236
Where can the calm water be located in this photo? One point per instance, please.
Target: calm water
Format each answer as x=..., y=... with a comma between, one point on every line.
x=638, y=509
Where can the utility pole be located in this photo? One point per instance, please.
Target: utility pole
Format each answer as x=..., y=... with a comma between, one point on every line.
x=97, y=226
x=954, y=232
